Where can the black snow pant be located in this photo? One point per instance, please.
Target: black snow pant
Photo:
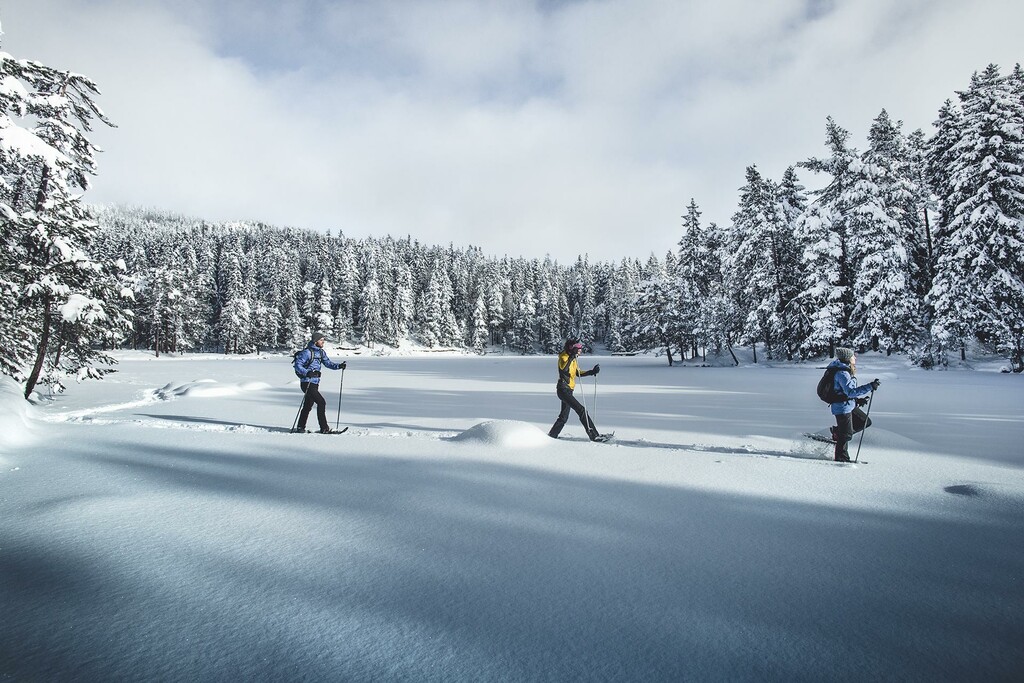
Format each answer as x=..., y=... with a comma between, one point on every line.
x=847, y=425
x=569, y=402
x=313, y=395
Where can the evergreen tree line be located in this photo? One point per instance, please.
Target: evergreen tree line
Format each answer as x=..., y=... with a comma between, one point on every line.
x=913, y=245
x=245, y=287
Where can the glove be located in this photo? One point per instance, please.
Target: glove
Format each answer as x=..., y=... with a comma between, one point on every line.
x=875, y=383
x=312, y=373
x=862, y=401
x=344, y=365
x=597, y=369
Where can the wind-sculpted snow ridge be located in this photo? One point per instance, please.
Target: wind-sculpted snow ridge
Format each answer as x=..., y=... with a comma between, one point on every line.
x=505, y=433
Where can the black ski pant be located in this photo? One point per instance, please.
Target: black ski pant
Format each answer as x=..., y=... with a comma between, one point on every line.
x=313, y=395
x=847, y=425
x=569, y=402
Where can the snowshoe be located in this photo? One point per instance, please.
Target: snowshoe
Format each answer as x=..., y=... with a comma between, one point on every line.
x=333, y=431
x=818, y=437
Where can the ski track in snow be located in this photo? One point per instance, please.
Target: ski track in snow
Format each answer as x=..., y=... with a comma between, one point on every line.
x=203, y=388
x=506, y=433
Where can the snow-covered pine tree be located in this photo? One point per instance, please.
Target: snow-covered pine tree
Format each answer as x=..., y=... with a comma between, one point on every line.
x=323, y=319
x=621, y=291
x=452, y=330
x=761, y=254
x=235, y=322
x=430, y=312
x=833, y=212
x=495, y=303
x=720, y=323
x=924, y=205
x=939, y=159
x=403, y=303
x=549, y=317
x=479, y=335
x=792, y=200
x=686, y=281
x=652, y=306
x=524, y=328
x=880, y=220
x=979, y=280
x=159, y=306
x=582, y=301
x=371, y=312
x=347, y=291
x=821, y=300
x=59, y=303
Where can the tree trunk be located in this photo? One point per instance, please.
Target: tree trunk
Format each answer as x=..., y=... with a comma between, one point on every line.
x=44, y=335
x=44, y=186
x=18, y=189
x=44, y=341
x=928, y=243
x=735, y=360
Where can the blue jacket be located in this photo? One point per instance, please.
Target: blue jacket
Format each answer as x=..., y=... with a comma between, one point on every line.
x=846, y=384
x=310, y=359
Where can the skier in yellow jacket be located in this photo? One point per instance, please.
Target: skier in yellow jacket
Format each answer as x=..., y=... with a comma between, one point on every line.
x=568, y=371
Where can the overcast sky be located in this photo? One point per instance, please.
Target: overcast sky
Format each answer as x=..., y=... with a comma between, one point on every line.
x=525, y=127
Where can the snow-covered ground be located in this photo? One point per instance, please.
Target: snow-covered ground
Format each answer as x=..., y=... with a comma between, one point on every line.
x=164, y=525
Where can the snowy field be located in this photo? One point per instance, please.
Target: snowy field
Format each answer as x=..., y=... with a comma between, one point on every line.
x=164, y=525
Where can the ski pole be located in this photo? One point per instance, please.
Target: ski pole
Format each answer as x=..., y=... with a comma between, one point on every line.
x=867, y=413
x=341, y=388
x=586, y=411
x=299, y=411
x=595, y=395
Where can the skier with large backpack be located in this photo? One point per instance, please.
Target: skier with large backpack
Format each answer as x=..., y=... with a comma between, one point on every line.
x=307, y=365
x=838, y=387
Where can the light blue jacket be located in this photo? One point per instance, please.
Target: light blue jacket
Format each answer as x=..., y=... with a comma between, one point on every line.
x=846, y=384
x=310, y=359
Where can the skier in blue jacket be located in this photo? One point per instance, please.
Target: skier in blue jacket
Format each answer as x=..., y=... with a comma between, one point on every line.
x=849, y=417
x=307, y=366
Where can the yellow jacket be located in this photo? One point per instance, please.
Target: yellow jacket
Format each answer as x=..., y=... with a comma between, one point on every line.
x=568, y=370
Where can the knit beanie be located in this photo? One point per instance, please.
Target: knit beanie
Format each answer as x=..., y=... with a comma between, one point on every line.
x=317, y=336
x=844, y=354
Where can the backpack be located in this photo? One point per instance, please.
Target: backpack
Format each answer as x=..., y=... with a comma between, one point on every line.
x=827, y=387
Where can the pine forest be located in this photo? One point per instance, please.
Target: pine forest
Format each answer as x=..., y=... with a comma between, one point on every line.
x=914, y=245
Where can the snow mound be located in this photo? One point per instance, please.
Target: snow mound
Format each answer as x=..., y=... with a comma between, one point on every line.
x=505, y=433
x=15, y=414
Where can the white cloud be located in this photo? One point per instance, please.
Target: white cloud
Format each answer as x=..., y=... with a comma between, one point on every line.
x=522, y=128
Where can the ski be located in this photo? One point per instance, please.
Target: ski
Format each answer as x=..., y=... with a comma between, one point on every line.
x=306, y=431
x=335, y=431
